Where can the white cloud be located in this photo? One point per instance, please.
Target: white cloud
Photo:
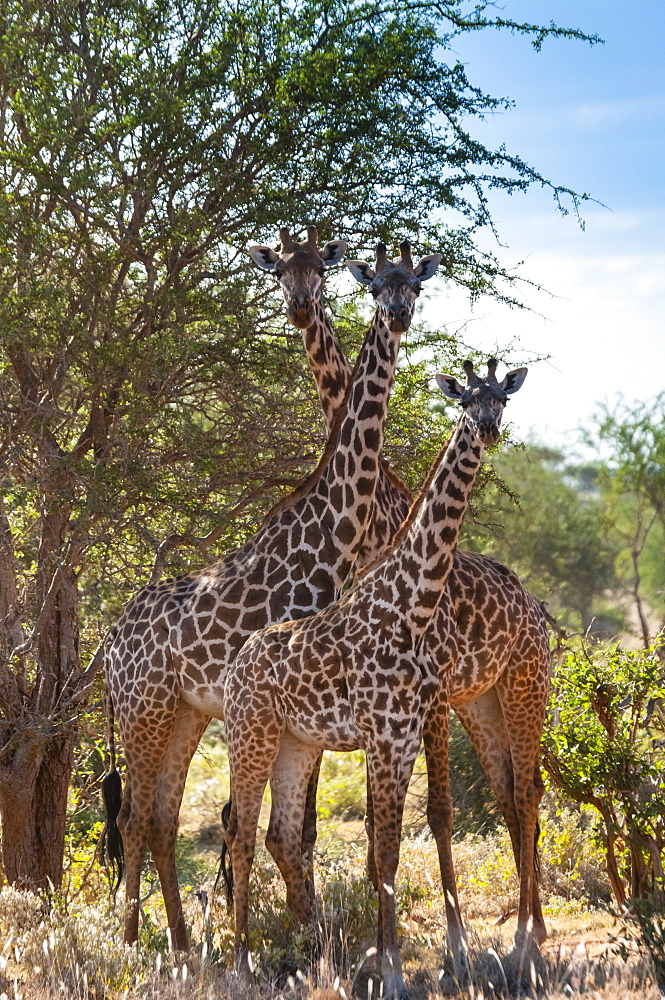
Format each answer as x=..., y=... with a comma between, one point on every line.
x=611, y=114
x=603, y=329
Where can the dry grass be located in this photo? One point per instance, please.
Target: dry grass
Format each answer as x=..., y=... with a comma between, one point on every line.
x=73, y=948
x=76, y=952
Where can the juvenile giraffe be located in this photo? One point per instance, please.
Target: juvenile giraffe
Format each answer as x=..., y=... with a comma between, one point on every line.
x=166, y=660
x=357, y=675
x=499, y=685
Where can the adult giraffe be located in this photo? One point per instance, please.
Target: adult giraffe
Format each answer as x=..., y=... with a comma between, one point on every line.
x=499, y=685
x=166, y=660
x=358, y=674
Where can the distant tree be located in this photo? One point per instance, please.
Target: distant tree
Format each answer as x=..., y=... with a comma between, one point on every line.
x=632, y=483
x=148, y=395
x=549, y=532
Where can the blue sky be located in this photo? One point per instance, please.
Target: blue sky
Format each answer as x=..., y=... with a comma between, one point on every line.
x=591, y=118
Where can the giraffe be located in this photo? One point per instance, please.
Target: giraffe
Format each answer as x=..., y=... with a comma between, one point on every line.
x=498, y=687
x=357, y=674
x=166, y=659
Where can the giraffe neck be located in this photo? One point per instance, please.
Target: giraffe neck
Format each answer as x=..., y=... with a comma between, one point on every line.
x=351, y=475
x=329, y=366
x=331, y=373
x=422, y=560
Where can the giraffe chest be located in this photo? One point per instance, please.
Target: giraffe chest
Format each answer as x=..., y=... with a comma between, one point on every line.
x=348, y=688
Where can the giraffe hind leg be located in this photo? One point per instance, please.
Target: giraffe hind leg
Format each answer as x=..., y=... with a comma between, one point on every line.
x=189, y=725
x=440, y=816
x=309, y=829
x=484, y=721
x=146, y=739
x=524, y=719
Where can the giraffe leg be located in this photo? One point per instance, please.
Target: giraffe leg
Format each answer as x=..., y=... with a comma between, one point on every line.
x=369, y=831
x=132, y=865
x=253, y=751
x=484, y=722
x=248, y=798
x=135, y=816
x=309, y=829
x=389, y=769
x=188, y=728
x=440, y=813
x=289, y=783
x=523, y=718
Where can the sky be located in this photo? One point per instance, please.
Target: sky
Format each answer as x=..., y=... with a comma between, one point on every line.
x=591, y=118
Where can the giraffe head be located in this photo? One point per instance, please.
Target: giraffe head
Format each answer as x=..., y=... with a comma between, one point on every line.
x=483, y=399
x=299, y=268
x=395, y=285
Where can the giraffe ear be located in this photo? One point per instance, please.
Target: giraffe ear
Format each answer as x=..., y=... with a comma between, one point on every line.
x=426, y=266
x=333, y=252
x=513, y=380
x=264, y=257
x=449, y=386
x=361, y=271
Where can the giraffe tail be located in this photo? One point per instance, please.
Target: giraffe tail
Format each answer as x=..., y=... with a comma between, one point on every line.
x=111, y=849
x=225, y=869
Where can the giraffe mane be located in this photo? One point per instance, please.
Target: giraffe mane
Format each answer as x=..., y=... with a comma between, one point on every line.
x=396, y=480
x=310, y=480
x=413, y=511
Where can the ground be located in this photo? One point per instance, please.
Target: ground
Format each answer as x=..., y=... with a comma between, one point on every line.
x=74, y=948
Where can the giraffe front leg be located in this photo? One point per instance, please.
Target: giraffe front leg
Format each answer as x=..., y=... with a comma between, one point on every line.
x=389, y=768
x=243, y=845
x=252, y=754
x=440, y=814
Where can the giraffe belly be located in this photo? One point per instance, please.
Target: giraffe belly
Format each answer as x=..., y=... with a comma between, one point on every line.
x=209, y=701
x=327, y=729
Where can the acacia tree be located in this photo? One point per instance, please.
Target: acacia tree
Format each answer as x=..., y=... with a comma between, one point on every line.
x=145, y=392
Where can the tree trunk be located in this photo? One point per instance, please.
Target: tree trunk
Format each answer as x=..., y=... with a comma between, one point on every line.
x=39, y=710
x=34, y=779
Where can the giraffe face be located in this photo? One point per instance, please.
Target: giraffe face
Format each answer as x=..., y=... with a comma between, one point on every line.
x=300, y=275
x=395, y=292
x=483, y=399
x=395, y=286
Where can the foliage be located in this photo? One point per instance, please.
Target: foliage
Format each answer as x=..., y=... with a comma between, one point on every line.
x=550, y=533
x=604, y=748
x=476, y=809
x=342, y=786
x=632, y=483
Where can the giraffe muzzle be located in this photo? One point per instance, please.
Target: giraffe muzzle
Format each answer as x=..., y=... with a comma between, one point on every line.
x=300, y=313
x=488, y=432
x=398, y=320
